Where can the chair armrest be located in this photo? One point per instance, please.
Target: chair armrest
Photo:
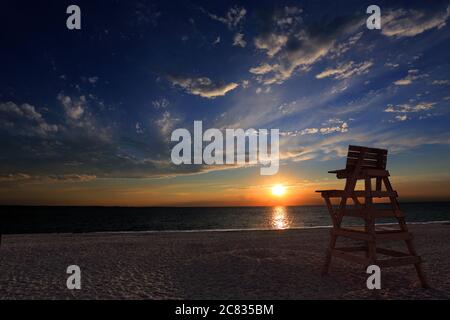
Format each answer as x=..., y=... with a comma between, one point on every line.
x=337, y=171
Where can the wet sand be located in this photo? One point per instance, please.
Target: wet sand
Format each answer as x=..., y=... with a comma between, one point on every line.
x=279, y=264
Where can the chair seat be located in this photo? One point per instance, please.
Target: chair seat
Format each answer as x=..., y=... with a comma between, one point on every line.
x=357, y=193
x=362, y=174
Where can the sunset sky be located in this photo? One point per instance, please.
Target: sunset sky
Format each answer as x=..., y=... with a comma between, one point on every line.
x=86, y=115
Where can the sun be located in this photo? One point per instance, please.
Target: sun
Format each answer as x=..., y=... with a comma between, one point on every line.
x=278, y=190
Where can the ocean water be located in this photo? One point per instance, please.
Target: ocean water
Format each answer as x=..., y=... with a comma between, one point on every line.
x=96, y=219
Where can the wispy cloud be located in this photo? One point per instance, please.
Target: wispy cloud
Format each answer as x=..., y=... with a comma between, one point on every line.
x=441, y=82
x=166, y=123
x=413, y=75
x=406, y=108
x=238, y=40
x=346, y=70
x=331, y=126
x=232, y=18
x=27, y=178
x=160, y=103
x=202, y=86
x=74, y=107
x=409, y=23
x=299, y=46
x=24, y=119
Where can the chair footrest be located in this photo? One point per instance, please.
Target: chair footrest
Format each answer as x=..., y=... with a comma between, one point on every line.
x=372, y=213
x=350, y=257
x=361, y=234
x=383, y=251
x=402, y=259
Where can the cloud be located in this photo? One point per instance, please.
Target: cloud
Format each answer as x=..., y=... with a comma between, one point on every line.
x=441, y=82
x=238, y=40
x=299, y=46
x=138, y=127
x=407, y=108
x=74, y=108
x=391, y=65
x=403, y=82
x=93, y=80
x=262, y=69
x=27, y=178
x=339, y=126
x=409, y=23
x=340, y=48
x=309, y=131
x=344, y=71
x=160, y=103
x=410, y=78
x=145, y=13
x=166, y=124
x=271, y=43
x=401, y=117
x=288, y=16
x=233, y=17
x=245, y=84
x=202, y=86
x=24, y=119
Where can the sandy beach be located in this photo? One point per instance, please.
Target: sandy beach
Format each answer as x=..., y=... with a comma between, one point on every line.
x=282, y=264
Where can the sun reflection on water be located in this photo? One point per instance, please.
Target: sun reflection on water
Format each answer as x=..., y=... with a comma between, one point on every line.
x=280, y=218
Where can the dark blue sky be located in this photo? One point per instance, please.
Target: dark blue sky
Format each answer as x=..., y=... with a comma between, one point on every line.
x=99, y=104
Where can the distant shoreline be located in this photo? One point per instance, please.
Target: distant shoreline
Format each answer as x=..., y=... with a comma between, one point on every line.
x=192, y=206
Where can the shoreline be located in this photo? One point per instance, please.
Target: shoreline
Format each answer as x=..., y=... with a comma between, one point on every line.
x=444, y=222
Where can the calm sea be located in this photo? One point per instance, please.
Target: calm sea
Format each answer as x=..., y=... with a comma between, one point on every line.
x=94, y=219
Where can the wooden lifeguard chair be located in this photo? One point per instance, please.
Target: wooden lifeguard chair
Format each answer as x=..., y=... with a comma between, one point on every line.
x=366, y=164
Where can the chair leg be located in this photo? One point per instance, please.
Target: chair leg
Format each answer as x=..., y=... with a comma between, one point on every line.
x=418, y=266
x=326, y=266
x=421, y=275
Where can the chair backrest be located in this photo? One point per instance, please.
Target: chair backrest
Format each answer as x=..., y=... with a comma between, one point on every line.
x=372, y=158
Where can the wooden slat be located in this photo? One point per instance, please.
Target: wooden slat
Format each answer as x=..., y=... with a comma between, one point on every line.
x=350, y=257
x=401, y=261
x=353, y=234
x=371, y=172
x=386, y=252
x=336, y=171
x=392, y=253
x=393, y=236
x=382, y=235
x=370, y=150
x=357, y=193
x=352, y=249
x=376, y=173
x=373, y=156
x=366, y=163
x=377, y=213
x=357, y=213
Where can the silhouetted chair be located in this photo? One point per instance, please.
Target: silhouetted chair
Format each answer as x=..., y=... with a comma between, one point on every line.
x=366, y=164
